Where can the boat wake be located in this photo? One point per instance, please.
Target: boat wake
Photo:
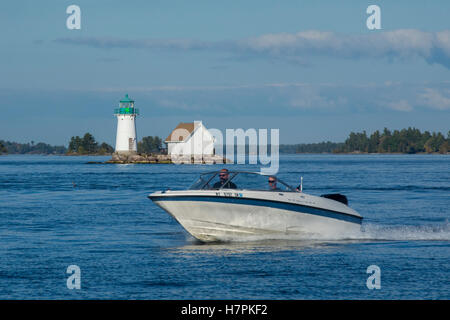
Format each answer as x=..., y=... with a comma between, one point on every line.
x=406, y=232
x=368, y=232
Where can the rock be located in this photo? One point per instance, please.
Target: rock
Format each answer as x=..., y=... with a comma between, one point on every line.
x=164, y=158
x=135, y=158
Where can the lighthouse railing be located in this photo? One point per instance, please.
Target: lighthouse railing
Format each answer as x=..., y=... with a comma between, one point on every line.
x=126, y=111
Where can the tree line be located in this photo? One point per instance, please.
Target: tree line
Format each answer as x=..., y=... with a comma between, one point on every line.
x=30, y=148
x=88, y=145
x=321, y=147
x=85, y=145
x=409, y=140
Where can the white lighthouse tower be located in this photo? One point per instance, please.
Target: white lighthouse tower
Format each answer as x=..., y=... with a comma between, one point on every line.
x=126, y=126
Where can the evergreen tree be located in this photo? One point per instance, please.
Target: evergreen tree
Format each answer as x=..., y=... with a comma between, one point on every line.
x=374, y=142
x=105, y=149
x=74, y=144
x=434, y=143
x=357, y=142
x=150, y=145
x=3, y=148
x=89, y=144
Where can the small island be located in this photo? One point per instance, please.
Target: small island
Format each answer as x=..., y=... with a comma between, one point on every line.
x=150, y=150
x=120, y=158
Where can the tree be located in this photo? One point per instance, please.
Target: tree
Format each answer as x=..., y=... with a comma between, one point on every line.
x=434, y=143
x=81, y=150
x=89, y=144
x=150, y=145
x=105, y=149
x=3, y=148
x=357, y=142
x=444, y=148
x=374, y=141
x=385, y=141
x=74, y=144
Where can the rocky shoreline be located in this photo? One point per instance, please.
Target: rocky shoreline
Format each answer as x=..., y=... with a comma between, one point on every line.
x=164, y=159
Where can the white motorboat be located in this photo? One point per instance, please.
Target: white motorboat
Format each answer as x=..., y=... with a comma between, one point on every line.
x=244, y=206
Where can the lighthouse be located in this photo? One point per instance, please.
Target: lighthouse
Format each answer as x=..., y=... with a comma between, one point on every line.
x=126, y=126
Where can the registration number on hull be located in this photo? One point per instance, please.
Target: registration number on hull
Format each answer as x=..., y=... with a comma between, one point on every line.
x=229, y=194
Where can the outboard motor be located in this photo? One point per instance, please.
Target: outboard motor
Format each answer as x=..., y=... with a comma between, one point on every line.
x=337, y=197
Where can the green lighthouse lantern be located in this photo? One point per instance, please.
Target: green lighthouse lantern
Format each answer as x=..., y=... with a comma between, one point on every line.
x=126, y=106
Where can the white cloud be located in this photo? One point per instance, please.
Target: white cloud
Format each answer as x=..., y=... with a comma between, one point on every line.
x=435, y=99
x=407, y=42
x=401, y=105
x=292, y=96
x=443, y=41
x=310, y=98
x=434, y=47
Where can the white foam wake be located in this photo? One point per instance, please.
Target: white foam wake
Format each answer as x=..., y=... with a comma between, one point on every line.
x=405, y=232
x=368, y=232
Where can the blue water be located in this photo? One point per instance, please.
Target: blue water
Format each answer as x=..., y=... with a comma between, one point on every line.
x=57, y=211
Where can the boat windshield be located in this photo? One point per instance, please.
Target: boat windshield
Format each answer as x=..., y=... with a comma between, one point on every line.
x=240, y=180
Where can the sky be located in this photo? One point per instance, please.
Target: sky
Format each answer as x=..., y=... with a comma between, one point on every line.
x=311, y=69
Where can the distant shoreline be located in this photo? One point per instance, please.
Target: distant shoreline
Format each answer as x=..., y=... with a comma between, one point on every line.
x=281, y=153
x=405, y=141
x=87, y=154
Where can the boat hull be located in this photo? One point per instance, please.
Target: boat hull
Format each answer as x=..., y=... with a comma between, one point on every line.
x=212, y=217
